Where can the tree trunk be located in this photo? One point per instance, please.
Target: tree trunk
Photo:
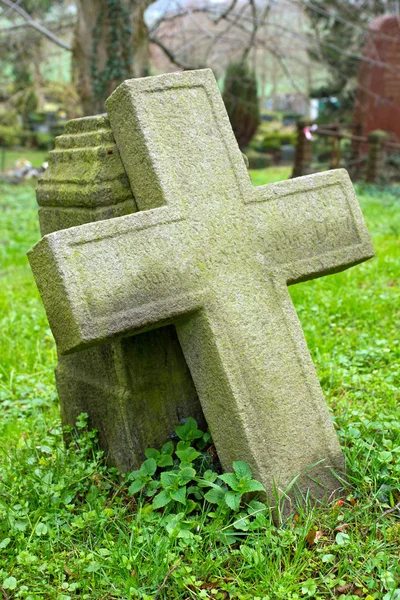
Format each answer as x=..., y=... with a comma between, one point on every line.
x=88, y=11
x=38, y=81
x=141, y=52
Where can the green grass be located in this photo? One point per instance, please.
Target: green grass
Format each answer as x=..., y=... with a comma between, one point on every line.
x=70, y=529
x=36, y=157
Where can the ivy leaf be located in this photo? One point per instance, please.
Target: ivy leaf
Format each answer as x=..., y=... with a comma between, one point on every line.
x=168, y=448
x=231, y=480
x=162, y=499
x=232, y=499
x=179, y=495
x=215, y=496
x=242, y=469
x=149, y=467
x=152, y=453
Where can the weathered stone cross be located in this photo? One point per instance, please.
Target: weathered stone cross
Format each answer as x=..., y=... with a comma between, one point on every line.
x=212, y=255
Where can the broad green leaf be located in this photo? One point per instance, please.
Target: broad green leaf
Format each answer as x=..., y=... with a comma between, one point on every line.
x=195, y=434
x=189, y=431
x=165, y=460
x=191, y=505
x=10, y=583
x=134, y=475
x=252, y=486
x=242, y=469
x=241, y=522
x=328, y=558
x=342, y=539
x=170, y=521
x=149, y=467
x=179, y=495
x=188, y=455
x=185, y=534
x=169, y=478
x=215, y=496
x=152, y=487
x=136, y=486
x=4, y=543
x=182, y=445
x=385, y=456
x=256, y=506
x=41, y=529
x=162, y=499
x=182, y=431
x=152, y=453
x=210, y=475
x=247, y=552
x=168, y=448
x=309, y=587
x=185, y=475
x=231, y=480
x=232, y=499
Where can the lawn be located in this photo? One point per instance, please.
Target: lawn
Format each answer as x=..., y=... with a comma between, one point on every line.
x=9, y=158
x=70, y=527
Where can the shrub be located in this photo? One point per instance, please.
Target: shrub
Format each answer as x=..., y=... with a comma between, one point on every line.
x=241, y=101
x=44, y=141
x=257, y=160
x=9, y=135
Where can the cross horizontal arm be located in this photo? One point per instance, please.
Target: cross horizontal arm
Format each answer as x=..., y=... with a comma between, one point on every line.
x=114, y=278
x=310, y=226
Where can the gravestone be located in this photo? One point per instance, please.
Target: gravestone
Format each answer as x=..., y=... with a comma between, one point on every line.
x=378, y=94
x=212, y=256
x=119, y=384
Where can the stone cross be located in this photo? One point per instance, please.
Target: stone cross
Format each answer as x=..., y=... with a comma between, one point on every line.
x=212, y=255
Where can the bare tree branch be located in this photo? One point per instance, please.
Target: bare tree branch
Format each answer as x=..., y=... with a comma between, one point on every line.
x=227, y=11
x=169, y=54
x=254, y=30
x=31, y=23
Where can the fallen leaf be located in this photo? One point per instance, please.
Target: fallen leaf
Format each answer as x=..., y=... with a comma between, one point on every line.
x=343, y=589
x=313, y=536
x=342, y=527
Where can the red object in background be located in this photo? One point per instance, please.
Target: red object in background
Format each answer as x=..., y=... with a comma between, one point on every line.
x=378, y=96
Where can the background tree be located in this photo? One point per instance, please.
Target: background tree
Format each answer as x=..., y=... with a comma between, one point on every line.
x=241, y=101
x=110, y=44
x=340, y=28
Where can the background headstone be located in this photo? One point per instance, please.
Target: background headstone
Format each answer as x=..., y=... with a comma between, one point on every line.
x=377, y=104
x=138, y=379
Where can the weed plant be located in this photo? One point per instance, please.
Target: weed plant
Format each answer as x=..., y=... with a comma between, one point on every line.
x=70, y=527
